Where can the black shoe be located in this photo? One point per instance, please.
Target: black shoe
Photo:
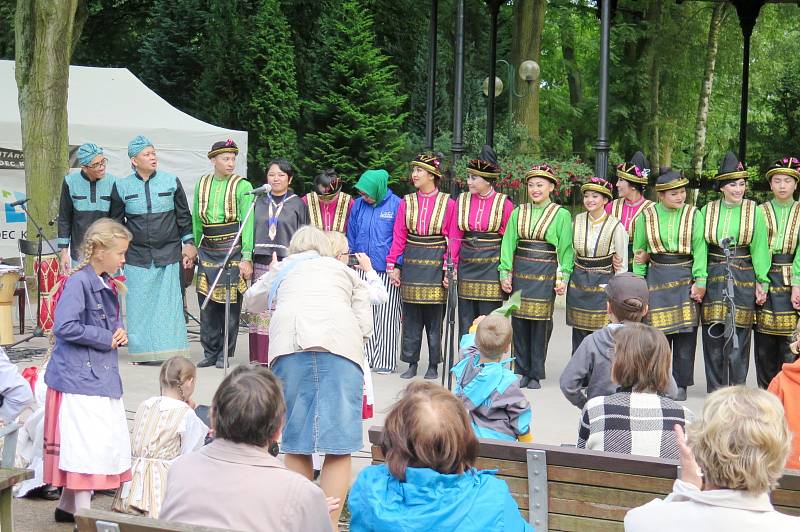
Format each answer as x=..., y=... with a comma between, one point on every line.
x=410, y=373
x=432, y=373
x=533, y=384
x=681, y=395
x=206, y=362
x=220, y=364
x=62, y=516
x=523, y=381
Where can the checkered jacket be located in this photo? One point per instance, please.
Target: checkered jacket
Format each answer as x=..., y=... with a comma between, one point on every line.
x=632, y=423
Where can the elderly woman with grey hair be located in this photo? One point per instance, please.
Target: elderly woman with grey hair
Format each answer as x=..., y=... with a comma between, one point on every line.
x=322, y=316
x=733, y=458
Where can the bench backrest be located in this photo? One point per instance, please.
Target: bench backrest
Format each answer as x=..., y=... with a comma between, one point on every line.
x=89, y=520
x=564, y=488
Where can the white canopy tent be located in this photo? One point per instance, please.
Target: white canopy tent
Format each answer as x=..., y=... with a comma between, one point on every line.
x=107, y=106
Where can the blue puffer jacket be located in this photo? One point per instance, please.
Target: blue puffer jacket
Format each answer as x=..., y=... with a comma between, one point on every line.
x=429, y=501
x=369, y=229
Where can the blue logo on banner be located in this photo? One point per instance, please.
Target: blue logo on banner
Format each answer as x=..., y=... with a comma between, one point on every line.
x=12, y=215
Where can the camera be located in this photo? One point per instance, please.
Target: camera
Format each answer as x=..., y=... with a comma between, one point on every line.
x=352, y=260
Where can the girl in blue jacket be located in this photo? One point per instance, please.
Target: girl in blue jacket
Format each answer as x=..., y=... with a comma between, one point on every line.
x=370, y=231
x=86, y=441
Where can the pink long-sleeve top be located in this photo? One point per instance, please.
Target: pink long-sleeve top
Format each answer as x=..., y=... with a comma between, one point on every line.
x=480, y=209
x=328, y=209
x=425, y=204
x=629, y=211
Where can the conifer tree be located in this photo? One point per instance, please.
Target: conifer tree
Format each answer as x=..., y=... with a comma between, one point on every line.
x=356, y=118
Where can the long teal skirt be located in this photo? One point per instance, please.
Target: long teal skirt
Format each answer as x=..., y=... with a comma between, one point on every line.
x=154, y=305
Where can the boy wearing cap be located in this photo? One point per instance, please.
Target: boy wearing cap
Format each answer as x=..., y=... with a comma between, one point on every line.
x=776, y=318
x=151, y=203
x=598, y=239
x=627, y=302
x=85, y=197
x=733, y=225
x=482, y=217
x=221, y=202
x=671, y=253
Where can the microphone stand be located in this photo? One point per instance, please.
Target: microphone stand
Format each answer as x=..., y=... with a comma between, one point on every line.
x=731, y=339
x=226, y=267
x=450, y=326
x=38, y=332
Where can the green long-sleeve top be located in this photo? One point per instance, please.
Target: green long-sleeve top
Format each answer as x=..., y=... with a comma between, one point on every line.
x=782, y=212
x=216, y=211
x=668, y=225
x=728, y=224
x=559, y=233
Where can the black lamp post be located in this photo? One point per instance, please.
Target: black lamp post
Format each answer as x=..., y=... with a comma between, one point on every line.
x=494, y=9
x=429, y=107
x=458, y=85
x=602, y=147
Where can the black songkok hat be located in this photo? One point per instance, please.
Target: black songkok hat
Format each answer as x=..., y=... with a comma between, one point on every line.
x=428, y=162
x=637, y=170
x=223, y=146
x=787, y=166
x=670, y=179
x=327, y=183
x=485, y=165
x=731, y=169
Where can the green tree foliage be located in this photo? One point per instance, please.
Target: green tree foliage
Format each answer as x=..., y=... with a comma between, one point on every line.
x=271, y=110
x=170, y=51
x=356, y=118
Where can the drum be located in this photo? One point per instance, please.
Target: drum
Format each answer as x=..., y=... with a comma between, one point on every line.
x=47, y=273
x=9, y=277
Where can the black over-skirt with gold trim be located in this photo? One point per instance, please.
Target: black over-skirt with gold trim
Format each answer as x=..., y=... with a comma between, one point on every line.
x=478, y=278
x=714, y=309
x=586, y=297
x=669, y=280
x=535, y=267
x=422, y=274
x=777, y=316
x=214, y=245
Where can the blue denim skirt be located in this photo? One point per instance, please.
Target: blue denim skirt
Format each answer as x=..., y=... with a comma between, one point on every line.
x=323, y=394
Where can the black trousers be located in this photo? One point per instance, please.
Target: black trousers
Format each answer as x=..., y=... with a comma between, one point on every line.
x=715, y=351
x=577, y=337
x=417, y=317
x=212, y=327
x=531, y=338
x=771, y=352
x=683, y=346
x=469, y=309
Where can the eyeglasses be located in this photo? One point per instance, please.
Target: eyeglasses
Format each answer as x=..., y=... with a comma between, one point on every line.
x=99, y=164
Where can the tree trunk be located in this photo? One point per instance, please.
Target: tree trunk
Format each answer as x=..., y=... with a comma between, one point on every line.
x=45, y=38
x=575, y=84
x=701, y=121
x=527, y=44
x=654, y=18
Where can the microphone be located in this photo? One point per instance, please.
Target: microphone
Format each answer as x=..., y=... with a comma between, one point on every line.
x=727, y=242
x=17, y=203
x=266, y=188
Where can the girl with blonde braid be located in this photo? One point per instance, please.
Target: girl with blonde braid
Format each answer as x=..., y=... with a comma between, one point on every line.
x=165, y=427
x=86, y=444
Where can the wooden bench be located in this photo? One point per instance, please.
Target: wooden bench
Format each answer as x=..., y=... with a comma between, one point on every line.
x=9, y=477
x=569, y=489
x=89, y=520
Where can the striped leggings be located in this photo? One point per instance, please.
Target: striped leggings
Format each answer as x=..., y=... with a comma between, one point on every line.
x=381, y=350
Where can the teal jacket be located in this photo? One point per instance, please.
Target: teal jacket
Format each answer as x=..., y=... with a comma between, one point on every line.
x=475, y=501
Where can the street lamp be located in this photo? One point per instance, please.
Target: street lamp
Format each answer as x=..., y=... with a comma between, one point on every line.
x=528, y=71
